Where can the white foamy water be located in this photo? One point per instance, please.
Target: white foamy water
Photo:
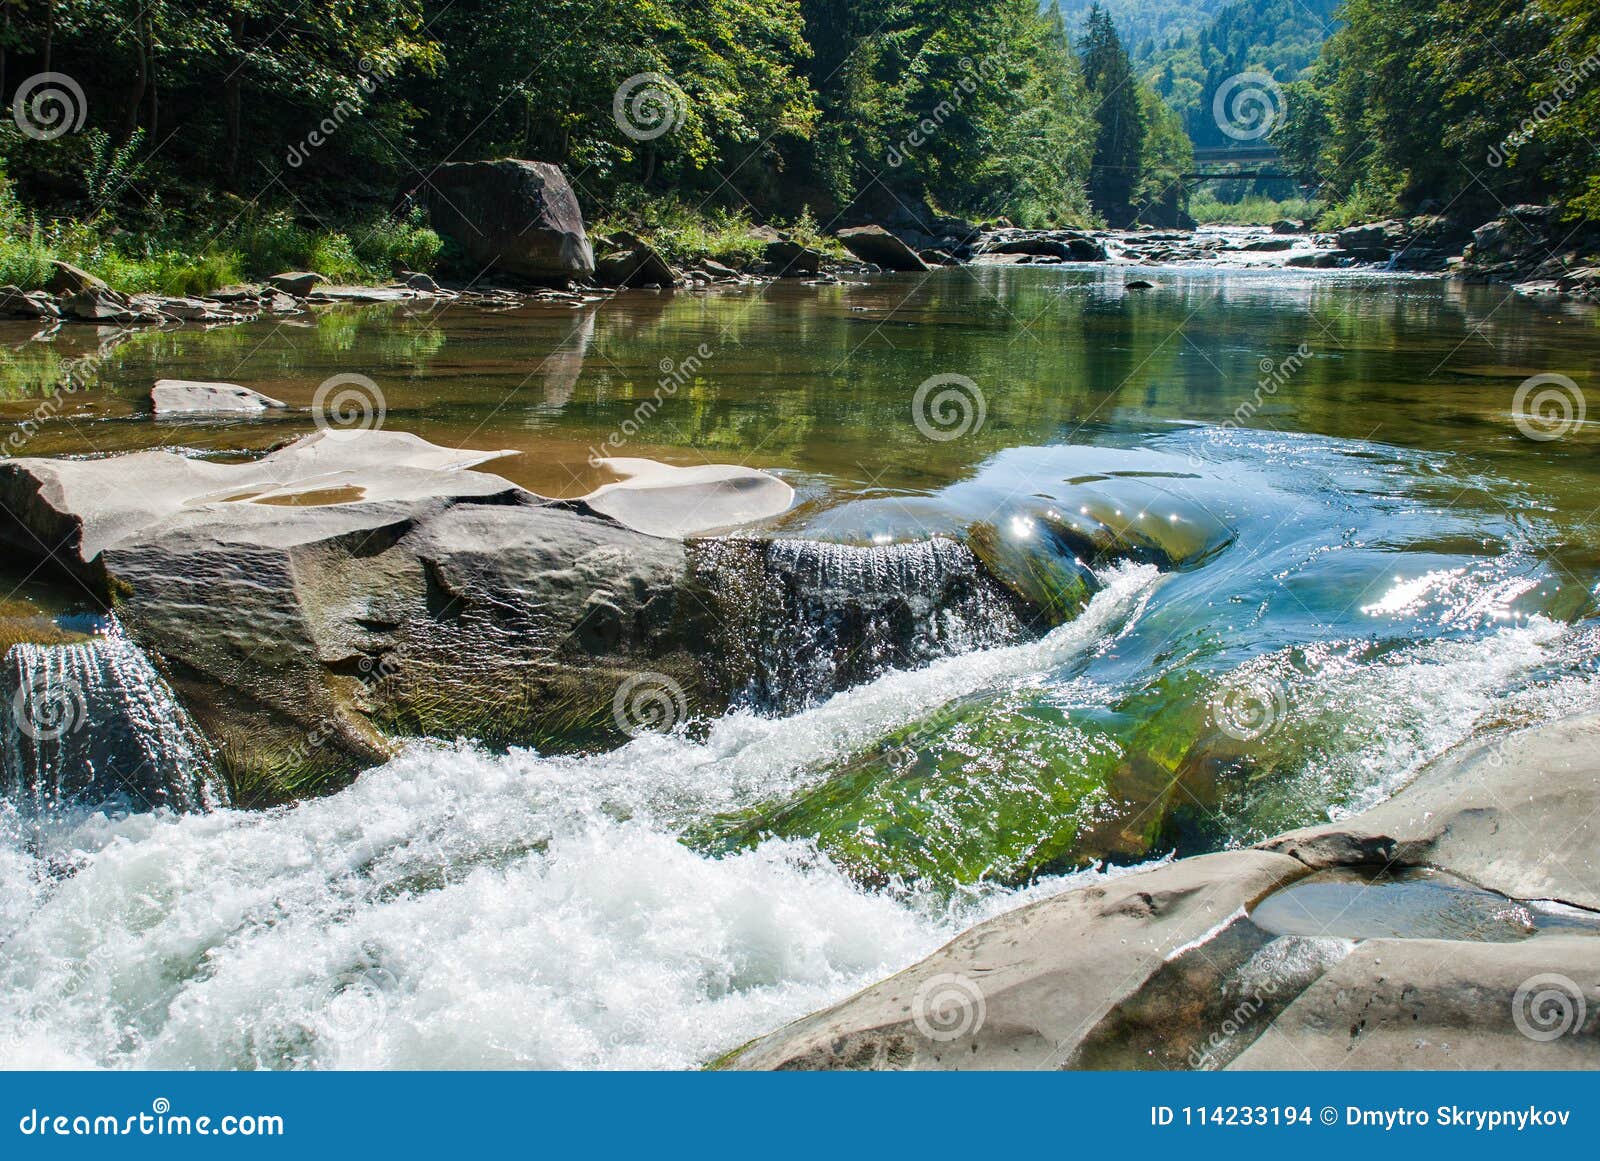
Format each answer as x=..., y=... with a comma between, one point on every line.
x=460, y=909
x=456, y=908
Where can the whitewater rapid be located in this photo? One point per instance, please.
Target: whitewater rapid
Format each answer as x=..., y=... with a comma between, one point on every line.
x=456, y=908
x=461, y=908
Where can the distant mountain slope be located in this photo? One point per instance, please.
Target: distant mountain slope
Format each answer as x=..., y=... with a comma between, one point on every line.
x=1144, y=25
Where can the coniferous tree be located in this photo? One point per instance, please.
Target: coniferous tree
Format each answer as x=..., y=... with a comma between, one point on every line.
x=1119, y=137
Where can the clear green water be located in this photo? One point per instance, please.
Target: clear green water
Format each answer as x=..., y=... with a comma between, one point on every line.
x=1376, y=566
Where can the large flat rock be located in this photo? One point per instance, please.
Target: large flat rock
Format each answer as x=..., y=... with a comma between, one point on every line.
x=314, y=605
x=188, y=397
x=1027, y=989
x=1517, y=815
x=1442, y=1004
x=663, y=500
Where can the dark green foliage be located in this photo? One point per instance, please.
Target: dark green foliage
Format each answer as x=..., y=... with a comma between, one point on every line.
x=1465, y=104
x=1119, y=119
x=334, y=110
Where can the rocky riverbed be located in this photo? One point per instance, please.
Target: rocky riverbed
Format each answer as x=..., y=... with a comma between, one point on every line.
x=1212, y=962
x=869, y=666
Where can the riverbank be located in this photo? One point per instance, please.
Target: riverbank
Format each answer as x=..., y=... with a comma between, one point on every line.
x=1455, y=926
x=1511, y=250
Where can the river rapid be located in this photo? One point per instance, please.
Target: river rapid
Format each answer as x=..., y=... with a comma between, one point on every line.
x=1398, y=568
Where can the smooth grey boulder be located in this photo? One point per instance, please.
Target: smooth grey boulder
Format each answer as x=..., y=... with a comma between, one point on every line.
x=517, y=217
x=1167, y=968
x=662, y=500
x=190, y=397
x=876, y=245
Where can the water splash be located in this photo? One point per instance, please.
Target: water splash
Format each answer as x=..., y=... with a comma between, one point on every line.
x=93, y=724
x=804, y=619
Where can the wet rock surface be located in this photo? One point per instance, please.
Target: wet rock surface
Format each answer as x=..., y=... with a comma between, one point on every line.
x=1170, y=968
x=311, y=606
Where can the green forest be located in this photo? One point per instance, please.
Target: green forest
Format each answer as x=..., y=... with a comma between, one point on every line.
x=178, y=145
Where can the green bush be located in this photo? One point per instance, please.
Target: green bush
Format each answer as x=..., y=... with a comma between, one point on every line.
x=687, y=234
x=24, y=263
x=1251, y=211
x=391, y=244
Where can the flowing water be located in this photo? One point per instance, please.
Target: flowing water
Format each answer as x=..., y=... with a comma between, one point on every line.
x=1301, y=543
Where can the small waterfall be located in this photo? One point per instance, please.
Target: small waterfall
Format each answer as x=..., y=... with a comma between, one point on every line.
x=94, y=724
x=801, y=620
